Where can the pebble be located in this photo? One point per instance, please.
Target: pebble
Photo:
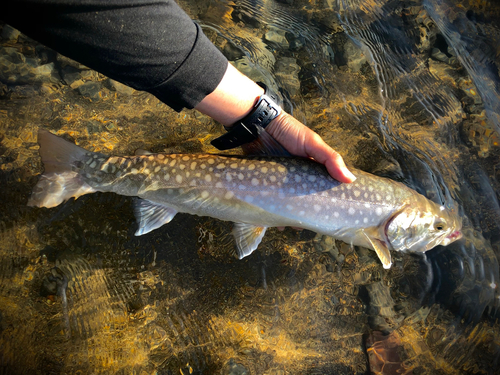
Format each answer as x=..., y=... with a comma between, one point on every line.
x=354, y=55
x=12, y=54
x=70, y=74
x=10, y=33
x=90, y=90
x=120, y=87
x=287, y=70
x=277, y=35
x=234, y=368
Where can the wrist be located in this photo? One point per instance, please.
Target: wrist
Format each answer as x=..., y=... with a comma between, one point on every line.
x=233, y=99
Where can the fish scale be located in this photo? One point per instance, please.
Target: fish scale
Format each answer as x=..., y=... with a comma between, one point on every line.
x=254, y=192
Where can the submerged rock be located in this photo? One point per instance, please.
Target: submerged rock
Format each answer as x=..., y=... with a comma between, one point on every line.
x=120, y=87
x=10, y=33
x=287, y=70
x=276, y=35
x=234, y=368
x=90, y=90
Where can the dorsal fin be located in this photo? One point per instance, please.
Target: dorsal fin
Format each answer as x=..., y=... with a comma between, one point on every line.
x=141, y=152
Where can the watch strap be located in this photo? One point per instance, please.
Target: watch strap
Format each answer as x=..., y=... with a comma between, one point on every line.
x=245, y=130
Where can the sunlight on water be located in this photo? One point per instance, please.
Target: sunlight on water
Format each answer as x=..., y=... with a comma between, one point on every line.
x=409, y=90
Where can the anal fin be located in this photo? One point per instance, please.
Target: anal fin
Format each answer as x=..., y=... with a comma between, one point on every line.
x=247, y=237
x=151, y=216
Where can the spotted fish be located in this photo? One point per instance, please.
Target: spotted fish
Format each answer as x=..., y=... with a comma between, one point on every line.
x=253, y=192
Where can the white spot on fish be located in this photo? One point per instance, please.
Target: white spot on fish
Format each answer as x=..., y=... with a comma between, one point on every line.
x=242, y=187
x=281, y=169
x=187, y=174
x=228, y=177
x=311, y=178
x=298, y=178
x=172, y=163
x=378, y=211
x=302, y=213
x=365, y=220
x=160, y=156
x=93, y=164
x=251, y=167
x=378, y=196
x=134, y=171
x=204, y=194
x=351, y=211
x=342, y=196
x=317, y=207
x=185, y=158
x=356, y=222
x=219, y=184
x=157, y=169
x=241, y=176
x=255, y=182
x=211, y=161
x=178, y=178
x=370, y=188
x=182, y=166
x=203, y=166
x=292, y=190
x=365, y=195
x=336, y=214
x=272, y=178
x=193, y=165
x=388, y=198
x=220, y=166
x=264, y=169
x=147, y=171
x=166, y=177
x=208, y=178
x=357, y=193
x=229, y=195
x=234, y=165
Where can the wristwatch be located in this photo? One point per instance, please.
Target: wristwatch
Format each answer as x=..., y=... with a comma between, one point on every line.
x=246, y=130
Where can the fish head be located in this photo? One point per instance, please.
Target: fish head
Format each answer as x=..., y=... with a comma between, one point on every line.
x=419, y=228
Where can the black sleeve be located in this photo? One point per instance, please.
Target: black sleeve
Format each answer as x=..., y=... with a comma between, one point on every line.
x=150, y=45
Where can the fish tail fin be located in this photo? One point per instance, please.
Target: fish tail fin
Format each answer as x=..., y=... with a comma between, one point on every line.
x=60, y=180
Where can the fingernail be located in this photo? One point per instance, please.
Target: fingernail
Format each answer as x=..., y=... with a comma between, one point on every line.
x=348, y=174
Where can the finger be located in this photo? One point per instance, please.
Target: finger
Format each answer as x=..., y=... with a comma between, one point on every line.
x=324, y=154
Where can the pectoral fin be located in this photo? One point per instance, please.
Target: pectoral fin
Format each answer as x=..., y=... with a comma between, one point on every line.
x=151, y=216
x=247, y=238
x=380, y=247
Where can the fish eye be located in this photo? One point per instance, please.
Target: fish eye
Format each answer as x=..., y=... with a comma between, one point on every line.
x=439, y=226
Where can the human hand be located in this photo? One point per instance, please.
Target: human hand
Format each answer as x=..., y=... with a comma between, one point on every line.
x=299, y=140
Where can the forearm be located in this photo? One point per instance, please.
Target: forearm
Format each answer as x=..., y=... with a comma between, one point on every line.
x=149, y=45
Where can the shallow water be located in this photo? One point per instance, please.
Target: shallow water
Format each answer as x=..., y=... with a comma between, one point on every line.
x=407, y=89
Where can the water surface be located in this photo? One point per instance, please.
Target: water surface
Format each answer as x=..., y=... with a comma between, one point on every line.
x=405, y=89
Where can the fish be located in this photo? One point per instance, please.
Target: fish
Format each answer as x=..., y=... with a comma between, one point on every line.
x=254, y=192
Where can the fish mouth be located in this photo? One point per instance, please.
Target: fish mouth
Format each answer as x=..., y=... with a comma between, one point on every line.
x=454, y=235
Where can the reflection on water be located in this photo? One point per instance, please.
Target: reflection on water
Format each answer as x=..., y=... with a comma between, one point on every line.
x=406, y=89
